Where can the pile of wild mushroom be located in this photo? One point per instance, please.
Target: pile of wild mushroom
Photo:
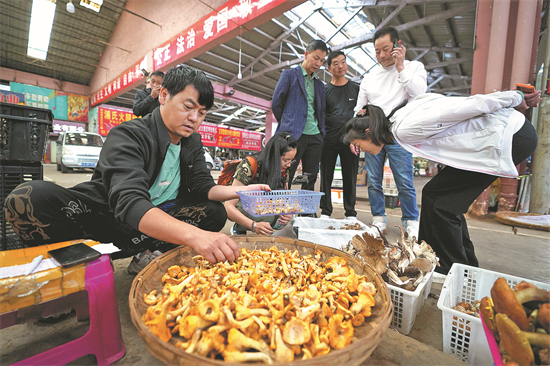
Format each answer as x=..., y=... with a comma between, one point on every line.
x=356, y=226
x=520, y=321
x=267, y=306
x=403, y=263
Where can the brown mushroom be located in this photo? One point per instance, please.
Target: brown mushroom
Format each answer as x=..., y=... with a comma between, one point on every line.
x=518, y=343
x=544, y=317
x=507, y=301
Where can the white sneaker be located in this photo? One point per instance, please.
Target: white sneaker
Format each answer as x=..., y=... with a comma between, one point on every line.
x=324, y=217
x=438, y=278
x=352, y=218
x=412, y=230
x=380, y=223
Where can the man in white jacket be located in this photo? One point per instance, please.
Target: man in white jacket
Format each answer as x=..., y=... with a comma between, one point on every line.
x=387, y=86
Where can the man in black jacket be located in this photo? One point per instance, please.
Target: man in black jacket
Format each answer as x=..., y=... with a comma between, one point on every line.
x=150, y=184
x=148, y=99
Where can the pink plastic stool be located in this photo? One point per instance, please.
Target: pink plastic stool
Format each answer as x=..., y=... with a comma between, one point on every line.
x=104, y=337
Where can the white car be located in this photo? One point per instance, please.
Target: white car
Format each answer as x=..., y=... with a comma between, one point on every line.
x=78, y=150
x=209, y=160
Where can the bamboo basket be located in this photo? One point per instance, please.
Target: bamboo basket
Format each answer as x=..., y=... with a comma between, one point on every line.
x=368, y=335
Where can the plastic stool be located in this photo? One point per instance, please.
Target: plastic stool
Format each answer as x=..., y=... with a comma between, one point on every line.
x=104, y=337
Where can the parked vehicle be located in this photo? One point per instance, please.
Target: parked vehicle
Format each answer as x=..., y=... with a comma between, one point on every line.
x=209, y=160
x=78, y=150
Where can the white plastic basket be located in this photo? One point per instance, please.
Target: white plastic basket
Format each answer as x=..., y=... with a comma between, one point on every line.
x=463, y=335
x=315, y=231
x=407, y=304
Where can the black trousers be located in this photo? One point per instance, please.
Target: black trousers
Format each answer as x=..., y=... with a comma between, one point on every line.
x=350, y=165
x=42, y=213
x=309, y=151
x=449, y=194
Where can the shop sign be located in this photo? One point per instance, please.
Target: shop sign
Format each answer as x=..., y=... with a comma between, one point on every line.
x=12, y=97
x=38, y=97
x=111, y=117
x=77, y=106
x=214, y=135
x=64, y=126
x=226, y=18
x=129, y=77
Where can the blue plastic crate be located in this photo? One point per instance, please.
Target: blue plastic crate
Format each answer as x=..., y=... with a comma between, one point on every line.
x=281, y=202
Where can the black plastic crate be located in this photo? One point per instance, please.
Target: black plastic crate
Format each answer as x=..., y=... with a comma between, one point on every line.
x=18, y=110
x=391, y=201
x=24, y=132
x=11, y=175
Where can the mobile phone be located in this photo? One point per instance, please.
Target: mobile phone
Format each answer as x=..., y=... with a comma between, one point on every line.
x=526, y=88
x=396, y=44
x=74, y=254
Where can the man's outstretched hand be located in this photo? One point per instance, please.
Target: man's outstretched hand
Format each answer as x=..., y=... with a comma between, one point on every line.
x=215, y=247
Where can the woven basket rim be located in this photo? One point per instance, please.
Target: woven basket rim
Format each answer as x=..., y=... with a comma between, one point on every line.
x=368, y=342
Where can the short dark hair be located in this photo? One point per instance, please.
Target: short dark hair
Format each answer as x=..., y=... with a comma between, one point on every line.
x=316, y=44
x=178, y=77
x=157, y=73
x=394, y=36
x=333, y=55
x=376, y=121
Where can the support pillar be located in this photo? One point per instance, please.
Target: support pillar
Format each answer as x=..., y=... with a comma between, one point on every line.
x=494, y=75
x=269, y=120
x=540, y=183
x=521, y=73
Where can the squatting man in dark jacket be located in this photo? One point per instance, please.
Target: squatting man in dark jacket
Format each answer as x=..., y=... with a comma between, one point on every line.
x=150, y=184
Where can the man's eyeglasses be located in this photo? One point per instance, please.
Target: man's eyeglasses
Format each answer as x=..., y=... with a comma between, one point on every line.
x=288, y=161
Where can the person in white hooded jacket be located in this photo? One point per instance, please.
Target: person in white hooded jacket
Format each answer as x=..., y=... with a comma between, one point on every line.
x=479, y=138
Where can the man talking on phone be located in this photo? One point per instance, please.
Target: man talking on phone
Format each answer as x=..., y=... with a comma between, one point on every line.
x=387, y=86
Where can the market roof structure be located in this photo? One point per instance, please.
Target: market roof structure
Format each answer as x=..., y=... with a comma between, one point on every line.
x=439, y=33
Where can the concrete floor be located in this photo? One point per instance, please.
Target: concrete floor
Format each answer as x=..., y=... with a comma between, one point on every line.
x=525, y=254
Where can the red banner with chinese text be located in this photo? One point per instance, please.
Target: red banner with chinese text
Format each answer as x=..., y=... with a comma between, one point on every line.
x=128, y=77
x=226, y=18
x=213, y=135
x=109, y=118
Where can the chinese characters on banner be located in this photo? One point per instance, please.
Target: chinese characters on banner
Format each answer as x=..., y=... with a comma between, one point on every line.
x=213, y=135
x=38, y=97
x=110, y=117
x=228, y=17
x=127, y=78
x=77, y=107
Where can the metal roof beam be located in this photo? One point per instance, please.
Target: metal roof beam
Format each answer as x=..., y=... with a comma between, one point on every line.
x=271, y=47
x=343, y=25
x=448, y=63
x=454, y=88
x=392, y=15
x=415, y=23
x=383, y=3
x=440, y=49
x=453, y=76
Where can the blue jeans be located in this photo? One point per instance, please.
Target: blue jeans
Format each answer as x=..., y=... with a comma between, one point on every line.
x=401, y=164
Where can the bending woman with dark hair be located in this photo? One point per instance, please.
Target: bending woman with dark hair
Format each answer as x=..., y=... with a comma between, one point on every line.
x=479, y=138
x=272, y=169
